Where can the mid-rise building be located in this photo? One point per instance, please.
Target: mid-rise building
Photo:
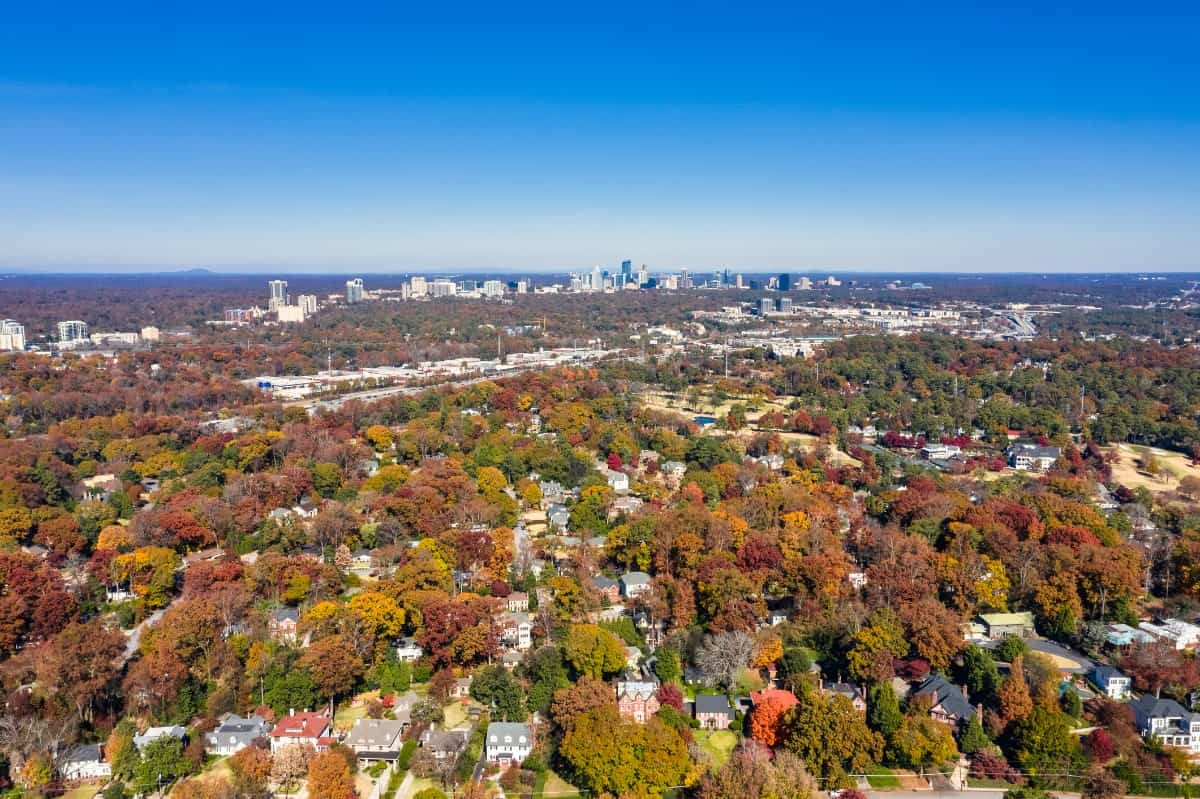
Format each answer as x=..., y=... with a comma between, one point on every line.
x=72, y=331
x=493, y=288
x=12, y=336
x=784, y=305
x=307, y=303
x=290, y=314
x=765, y=306
x=151, y=334
x=443, y=288
x=354, y=291
x=418, y=287
x=279, y=294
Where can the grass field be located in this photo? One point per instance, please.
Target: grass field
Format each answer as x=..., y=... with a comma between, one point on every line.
x=85, y=791
x=719, y=744
x=348, y=713
x=556, y=788
x=882, y=778
x=1127, y=471
x=456, y=715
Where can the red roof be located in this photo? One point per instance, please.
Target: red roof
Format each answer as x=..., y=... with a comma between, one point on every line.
x=301, y=725
x=787, y=698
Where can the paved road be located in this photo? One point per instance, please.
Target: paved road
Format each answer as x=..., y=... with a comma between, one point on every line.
x=135, y=635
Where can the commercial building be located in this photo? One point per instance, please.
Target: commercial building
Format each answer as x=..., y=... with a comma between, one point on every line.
x=418, y=287
x=279, y=294
x=307, y=303
x=12, y=336
x=354, y=291
x=72, y=331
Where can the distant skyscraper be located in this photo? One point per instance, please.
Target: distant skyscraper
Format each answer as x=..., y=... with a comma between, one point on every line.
x=643, y=276
x=72, y=331
x=354, y=291
x=307, y=303
x=784, y=283
x=765, y=306
x=493, y=288
x=784, y=305
x=12, y=336
x=279, y=294
x=627, y=270
x=419, y=286
x=597, y=283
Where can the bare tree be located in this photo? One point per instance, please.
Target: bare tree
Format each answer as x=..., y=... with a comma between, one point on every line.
x=21, y=737
x=722, y=657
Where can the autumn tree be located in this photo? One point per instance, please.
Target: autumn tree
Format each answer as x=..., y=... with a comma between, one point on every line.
x=573, y=701
x=334, y=666
x=291, y=765
x=921, y=742
x=79, y=666
x=876, y=646
x=329, y=776
x=1013, y=697
x=249, y=770
x=831, y=737
x=767, y=718
x=593, y=651
x=610, y=754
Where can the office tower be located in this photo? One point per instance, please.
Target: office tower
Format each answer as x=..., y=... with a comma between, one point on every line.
x=522, y=286
x=784, y=304
x=290, y=313
x=308, y=303
x=784, y=282
x=833, y=281
x=685, y=280
x=493, y=288
x=597, y=283
x=443, y=288
x=354, y=291
x=279, y=294
x=738, y=281
x=643, y=276
x=805, y=284
x=72, y=331
x=765, y=306
x=626, y=271
x=12, y=336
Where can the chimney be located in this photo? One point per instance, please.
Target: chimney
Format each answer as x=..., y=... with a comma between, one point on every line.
x=291, y=711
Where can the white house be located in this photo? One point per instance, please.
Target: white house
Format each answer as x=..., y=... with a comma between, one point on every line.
x=508, y=743
x=1111, y=682
x=235, y=733
x=635, y=584
x=1168, y=721
x=617, y=481
x=376, y=739
x=1181, y=634
x=154, y=733
x=85, y=762
x=409, y=651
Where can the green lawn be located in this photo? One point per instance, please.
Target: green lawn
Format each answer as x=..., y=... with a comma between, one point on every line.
x=880, y=777
x=456, y=715
x=719, y=744
x=85, y=791
x=417, y=785
x=556, y=788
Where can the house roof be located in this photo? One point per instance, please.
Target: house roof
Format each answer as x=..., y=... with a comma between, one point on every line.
x=602, y=582
x=234, y=724
x=374, y=732
x=635, y=578
x=1149, y=706
x=713, y=703
x=286, y=614
x=1007, y=619
x=1104, y=672
x=301, y=725
x=636, y=689
x=947, y=695
x=84, y=753
x=497, y=730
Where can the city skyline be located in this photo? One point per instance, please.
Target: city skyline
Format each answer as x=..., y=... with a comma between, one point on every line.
x=547, y=140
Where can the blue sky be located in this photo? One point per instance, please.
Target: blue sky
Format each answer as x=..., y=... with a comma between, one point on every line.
x=888, y=137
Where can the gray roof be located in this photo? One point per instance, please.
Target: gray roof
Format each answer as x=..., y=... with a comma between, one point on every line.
x=374, y=732
x=1148, y=706
x=713, y=703
x=498, y=729
x=948, y=695
x=602, y=582
x=635, y=578
x=84, y=753
x=1103, y=673
x=286, y=614
x=445, y=740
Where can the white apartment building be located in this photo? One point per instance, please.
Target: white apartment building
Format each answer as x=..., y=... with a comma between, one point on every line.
x=72, y=331
x=354, y=291
x=12, y=336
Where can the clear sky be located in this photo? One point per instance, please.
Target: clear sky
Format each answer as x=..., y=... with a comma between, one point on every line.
x=342, y=137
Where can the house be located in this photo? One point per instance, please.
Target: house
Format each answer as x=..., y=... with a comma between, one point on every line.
x=516, y=630
x=851, y=692
x=203, y=556
x=234, y=733
x=517, y=602
x=634, y=584
x=1168, y=721
x=85, y=762
x=626, y=506
x=1031, y=457
x=637, y=700
x=673, y=470
x=445, y=744
x=1111, y=682
x=1122, y=635
x=154, y=733
x=373, y=740
x=461, y=689
x=857, y=580
x=713, y=711
x=361, y=561
x=940, y=452
x=408, y=651
x=1180, y=634
x=609, y=588
x=949, y=702
x=282, y=624
x=313, y=729
x=101, y=487
x=507, y=743
x=998, y=626
x=552, y=493
x=559, y=517
x=617, y=481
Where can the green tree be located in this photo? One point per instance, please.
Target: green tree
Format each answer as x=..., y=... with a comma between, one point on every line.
x=497, y=688
x=1042, y=742
x=327, y=479
x=831, y=737
x=920, y=742
x=593, y=651
x=666, y=664
x=875, y=646
x=546, y=673
x=972, y=738
x=161, y=764
x=884, y=714
x=979, y=672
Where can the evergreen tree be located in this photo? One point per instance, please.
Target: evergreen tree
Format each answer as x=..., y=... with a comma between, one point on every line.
x=884, y=714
